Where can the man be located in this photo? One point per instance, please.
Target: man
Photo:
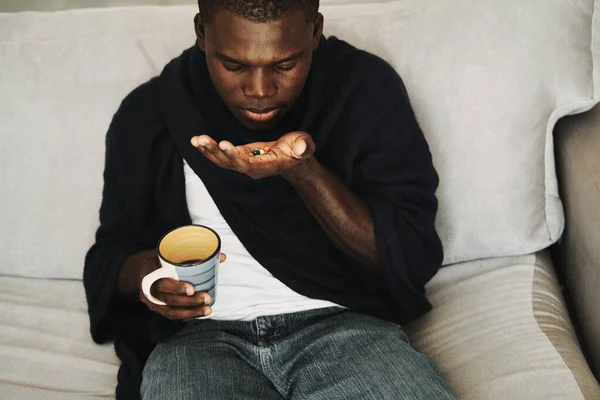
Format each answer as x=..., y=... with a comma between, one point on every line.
x=329, y=229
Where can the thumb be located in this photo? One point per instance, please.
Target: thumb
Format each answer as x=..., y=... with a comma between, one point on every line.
x=301, y=148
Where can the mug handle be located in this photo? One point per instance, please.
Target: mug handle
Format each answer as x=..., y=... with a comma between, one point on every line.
x=152, y=277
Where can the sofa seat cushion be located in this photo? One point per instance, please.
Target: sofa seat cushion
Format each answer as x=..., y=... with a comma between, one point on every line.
x=500, y=330
x=45, y=345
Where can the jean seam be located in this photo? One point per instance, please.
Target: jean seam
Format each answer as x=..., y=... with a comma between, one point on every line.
x=268, y=372
x=178, y=364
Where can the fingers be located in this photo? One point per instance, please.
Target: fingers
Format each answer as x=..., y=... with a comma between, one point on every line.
x=211, y=150
x=175, y=300
x=215, y=151
x=177, y=313
x=168, y=285
x=238, y=159
x=223, y=257
x=179, y=306
x=202, y=140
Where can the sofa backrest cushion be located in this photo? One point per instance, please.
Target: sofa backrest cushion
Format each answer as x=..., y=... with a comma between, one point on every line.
x=487, y=79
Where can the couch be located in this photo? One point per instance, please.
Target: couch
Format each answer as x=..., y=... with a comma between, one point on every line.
x=516, y=305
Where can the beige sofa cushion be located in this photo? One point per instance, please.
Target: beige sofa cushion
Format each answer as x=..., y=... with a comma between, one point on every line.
x=488, y=79
x=45, y=345
x=500, y=330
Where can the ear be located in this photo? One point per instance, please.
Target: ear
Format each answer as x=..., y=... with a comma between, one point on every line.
x=199, y=29
x=318, y=31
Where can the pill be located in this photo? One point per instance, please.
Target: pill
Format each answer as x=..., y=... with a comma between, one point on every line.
x=258, y=152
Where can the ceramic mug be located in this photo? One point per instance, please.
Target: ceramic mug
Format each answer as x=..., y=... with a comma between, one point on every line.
x=191, y=254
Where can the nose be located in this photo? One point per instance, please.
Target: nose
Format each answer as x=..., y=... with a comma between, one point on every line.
x=260, y=84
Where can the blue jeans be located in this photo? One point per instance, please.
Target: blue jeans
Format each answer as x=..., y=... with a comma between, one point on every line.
x=326, y=354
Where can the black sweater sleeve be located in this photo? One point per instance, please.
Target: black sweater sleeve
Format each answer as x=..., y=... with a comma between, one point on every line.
x=126, y=213
x=115, y=241
x=143, y=197
x=394, y=175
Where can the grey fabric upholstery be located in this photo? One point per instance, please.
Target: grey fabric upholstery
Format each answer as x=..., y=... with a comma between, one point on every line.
x=578, y=156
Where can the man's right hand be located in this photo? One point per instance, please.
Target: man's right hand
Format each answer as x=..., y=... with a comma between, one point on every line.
x=182, y=302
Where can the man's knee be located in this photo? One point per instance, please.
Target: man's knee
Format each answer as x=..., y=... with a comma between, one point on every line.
x=368, y=359
x=395, y=367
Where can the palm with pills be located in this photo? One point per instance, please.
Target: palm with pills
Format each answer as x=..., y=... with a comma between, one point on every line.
x=285, y=155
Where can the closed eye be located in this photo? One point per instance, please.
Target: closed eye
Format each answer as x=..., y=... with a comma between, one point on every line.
x=285, y=67
x=233, y=67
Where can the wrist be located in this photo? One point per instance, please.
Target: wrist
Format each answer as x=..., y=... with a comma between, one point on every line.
x=302, y=171
x=132, y=271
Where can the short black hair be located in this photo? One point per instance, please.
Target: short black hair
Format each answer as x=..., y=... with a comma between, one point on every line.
x=258, y=10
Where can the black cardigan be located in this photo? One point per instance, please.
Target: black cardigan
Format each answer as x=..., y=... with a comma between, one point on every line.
x=357, y=110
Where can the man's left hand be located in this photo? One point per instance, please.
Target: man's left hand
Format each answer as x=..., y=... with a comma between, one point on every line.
x=290, y=152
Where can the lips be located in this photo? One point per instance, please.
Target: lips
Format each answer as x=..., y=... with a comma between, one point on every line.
x=260, y=114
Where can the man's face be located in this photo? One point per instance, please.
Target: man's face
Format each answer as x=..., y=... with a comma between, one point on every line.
x=259, y=69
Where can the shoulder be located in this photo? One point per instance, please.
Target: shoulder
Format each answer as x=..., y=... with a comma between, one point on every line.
x=140, y=102
x=346, y=65
x=138, y=118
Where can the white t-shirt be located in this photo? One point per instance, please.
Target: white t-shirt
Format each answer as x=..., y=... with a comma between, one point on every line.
x=245, y=289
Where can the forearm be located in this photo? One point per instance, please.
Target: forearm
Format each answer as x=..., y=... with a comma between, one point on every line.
x=344, y=217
